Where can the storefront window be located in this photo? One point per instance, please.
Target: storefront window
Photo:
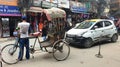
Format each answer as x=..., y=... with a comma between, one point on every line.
x=5, y=27
x=0, y=28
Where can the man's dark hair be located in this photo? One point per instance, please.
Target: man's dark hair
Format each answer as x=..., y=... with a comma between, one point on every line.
x=24, y=17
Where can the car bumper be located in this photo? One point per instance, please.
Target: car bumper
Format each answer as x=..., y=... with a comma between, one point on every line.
x=75, y=40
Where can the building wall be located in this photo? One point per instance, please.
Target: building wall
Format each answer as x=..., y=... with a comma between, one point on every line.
x=8, y=2
x=115, y=4
x=114, y=1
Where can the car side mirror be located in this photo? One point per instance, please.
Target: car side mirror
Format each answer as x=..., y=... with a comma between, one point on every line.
x=95, y=27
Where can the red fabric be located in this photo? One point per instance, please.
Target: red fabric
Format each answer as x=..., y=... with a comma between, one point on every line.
x=40, y=26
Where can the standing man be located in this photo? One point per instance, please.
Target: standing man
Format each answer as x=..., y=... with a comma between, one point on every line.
x=24, y=40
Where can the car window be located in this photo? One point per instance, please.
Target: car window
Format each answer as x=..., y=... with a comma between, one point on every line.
x=107, y=23
x=84, y=25
x=99, y=24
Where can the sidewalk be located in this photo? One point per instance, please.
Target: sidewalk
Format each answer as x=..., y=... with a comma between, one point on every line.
x=6, y=39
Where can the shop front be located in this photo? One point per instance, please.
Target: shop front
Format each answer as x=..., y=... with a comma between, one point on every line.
x=9, y=17
x=78, y=12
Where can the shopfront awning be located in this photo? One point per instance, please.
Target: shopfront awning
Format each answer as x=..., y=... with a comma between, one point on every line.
x=35, y=9
x=54, y=13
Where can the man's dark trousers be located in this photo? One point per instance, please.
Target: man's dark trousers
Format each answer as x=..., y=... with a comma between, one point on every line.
x=24, y=42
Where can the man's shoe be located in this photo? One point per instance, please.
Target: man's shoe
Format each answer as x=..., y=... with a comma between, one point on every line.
x=20, y=59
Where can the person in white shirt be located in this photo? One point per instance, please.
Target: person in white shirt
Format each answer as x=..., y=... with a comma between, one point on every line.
x=24, y=40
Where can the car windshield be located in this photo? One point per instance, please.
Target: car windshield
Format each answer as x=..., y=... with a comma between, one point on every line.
x=84, y=25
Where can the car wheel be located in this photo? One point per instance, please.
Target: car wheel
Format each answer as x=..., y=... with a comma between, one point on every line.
x=88, y=43
x=114, y=38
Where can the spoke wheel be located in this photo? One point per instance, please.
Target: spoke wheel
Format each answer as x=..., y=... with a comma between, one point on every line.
x=10, y=54
x=61, y=50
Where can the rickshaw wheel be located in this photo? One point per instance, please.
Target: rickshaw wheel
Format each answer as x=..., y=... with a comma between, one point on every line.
x=61, y=50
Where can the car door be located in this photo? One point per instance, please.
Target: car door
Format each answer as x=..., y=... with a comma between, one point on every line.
x=98, y=32
x=108, y=29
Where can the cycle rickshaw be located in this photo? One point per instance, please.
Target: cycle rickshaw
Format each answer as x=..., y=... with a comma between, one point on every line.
x=60, y=48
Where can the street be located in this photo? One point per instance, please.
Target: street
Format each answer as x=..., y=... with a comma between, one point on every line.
x=79, y=57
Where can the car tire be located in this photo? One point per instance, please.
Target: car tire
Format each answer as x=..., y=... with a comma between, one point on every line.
x=114, y=38
x=88, y=43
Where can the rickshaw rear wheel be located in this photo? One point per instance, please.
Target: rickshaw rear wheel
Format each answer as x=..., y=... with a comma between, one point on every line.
x=61, y=50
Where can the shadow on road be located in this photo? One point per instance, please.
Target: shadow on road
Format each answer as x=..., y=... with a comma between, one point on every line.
x=95, y=44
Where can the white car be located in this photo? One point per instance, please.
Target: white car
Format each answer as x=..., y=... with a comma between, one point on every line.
x=91, y=31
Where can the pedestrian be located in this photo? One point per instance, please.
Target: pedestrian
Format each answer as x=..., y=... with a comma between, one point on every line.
x=118, y=25
x=24, y=40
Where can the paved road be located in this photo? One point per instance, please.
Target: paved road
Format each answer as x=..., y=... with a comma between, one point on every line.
x=79, y=57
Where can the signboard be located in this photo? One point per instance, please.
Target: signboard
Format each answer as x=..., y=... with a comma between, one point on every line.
x=37, y=2
x=77, y=4
x=9, y=2
x=61, y=3
x=48, y=4
x=78, y=7
x=9, y=10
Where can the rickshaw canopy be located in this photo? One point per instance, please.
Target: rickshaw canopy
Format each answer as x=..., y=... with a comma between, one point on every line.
x=51, y=13
x=54, y=13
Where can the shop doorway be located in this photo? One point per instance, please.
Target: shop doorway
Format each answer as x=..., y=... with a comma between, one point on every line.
x=0, y=28
x=5, y=27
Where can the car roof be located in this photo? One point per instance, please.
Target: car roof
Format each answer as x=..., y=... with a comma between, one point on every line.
x=96, y=20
